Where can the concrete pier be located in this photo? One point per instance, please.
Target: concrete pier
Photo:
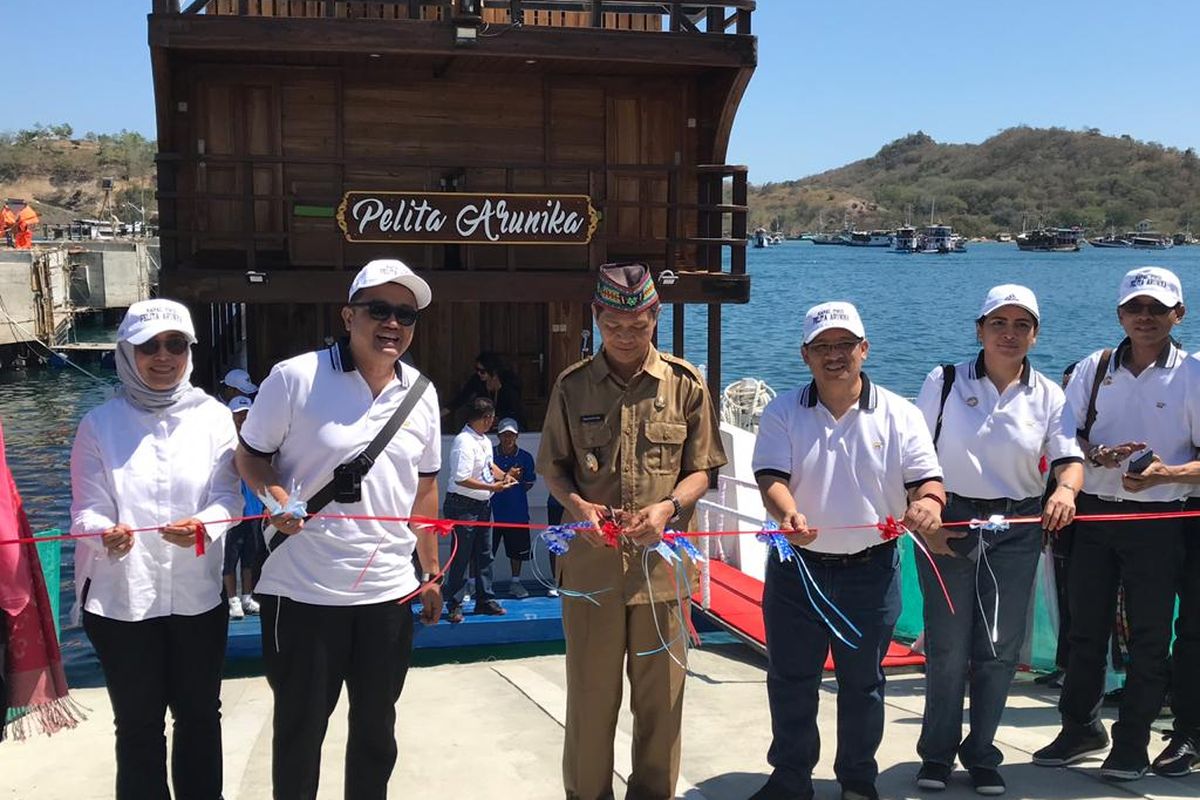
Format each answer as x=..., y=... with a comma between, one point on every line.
x=493, y=729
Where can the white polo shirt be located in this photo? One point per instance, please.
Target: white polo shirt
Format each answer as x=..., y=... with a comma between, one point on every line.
x=146, y=469
x=470, y=458
x=852, y=471
x=1152, y=407
x=991, y=443
x=314, y=412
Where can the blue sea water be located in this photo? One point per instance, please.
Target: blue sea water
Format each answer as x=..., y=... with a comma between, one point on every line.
x=919, y=311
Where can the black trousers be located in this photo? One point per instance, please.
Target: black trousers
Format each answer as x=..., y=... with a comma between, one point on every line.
x=170, y=662
x=1147, y=557
x=309, y=652
x=1185, y=663
x=1061, y=549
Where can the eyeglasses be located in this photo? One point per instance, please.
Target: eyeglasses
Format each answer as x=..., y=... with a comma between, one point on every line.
x=1153, y=309
x=381, y=311
x=176, y=346
x=823, y=349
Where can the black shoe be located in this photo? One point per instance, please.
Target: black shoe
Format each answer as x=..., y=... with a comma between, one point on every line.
x=987, y=781
x=770, y=791
x=933, y=777
x=1114, y=697
x=1179, y=757
x=491, y=608
x=1071, y=746
x=859, y=792
x=1125, y=764
x=456, y=615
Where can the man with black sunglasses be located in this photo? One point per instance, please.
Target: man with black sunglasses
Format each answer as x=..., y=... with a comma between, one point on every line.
x=329, y=587
x=1125, y=402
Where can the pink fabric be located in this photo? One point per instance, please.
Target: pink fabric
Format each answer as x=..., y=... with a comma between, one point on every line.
x=33, y=670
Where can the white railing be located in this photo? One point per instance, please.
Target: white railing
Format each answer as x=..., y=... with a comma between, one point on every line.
x=707, y=509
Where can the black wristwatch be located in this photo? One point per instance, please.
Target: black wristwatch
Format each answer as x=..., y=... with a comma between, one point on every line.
x=678, y=507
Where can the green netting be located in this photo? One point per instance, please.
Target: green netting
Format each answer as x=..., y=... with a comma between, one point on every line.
x=50, y=554
x=1041, y=637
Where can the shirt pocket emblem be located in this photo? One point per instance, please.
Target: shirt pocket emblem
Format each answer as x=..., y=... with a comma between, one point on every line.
x=972, y=402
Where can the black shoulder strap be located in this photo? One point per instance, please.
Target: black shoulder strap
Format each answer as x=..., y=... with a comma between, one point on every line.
x=1090, y=419
x=948, y=372
x=326, y=493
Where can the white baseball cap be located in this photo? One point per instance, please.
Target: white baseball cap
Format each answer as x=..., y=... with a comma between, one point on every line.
x=146, y=319
x=826, y=316
x=1010, y=294
x=240, y=379
x=239, y=404
x=391, y=270
x=1156, y=282
x=508, y=425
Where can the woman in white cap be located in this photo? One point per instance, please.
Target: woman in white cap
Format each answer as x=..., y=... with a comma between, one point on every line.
x=159, y=455
x=993, y=418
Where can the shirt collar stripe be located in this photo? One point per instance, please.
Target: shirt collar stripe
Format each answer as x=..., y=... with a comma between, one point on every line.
x=867, y=398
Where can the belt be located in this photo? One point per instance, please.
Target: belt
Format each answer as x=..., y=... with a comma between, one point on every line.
x=847, y=559
x=991, y=505
x=463, y=498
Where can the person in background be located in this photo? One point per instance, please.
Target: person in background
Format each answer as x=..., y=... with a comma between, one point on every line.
x=838, y=452
x=158, y=455
x=244, y=540
x=993, y=419
x=237, y=383
x=630, y=434
x=474, y=479
x=512, y=504
x=1120, y=403
x=493, y=380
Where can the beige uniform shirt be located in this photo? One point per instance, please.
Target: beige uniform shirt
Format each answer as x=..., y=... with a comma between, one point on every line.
x=627, y=446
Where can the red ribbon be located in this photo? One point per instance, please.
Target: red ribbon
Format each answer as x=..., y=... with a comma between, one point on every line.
x=611, y=532
x=201, y=537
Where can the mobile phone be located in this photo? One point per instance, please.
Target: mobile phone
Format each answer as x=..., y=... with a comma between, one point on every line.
x=1139, y=464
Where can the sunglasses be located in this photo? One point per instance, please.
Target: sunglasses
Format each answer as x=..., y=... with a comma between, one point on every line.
x=176, y=346
x=1153, y=309
x=823, y=349
x=381, y=311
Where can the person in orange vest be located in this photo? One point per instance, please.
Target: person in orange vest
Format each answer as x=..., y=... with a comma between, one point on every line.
x=26, y=219
x=7, y=221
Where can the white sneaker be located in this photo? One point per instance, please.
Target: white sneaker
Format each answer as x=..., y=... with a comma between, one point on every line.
x=517, y=589
x=466, y=598
x=249, y=604
x=235, y=608
x=552, y=592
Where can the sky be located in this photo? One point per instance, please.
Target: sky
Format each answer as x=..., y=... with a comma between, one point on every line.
x=836, y=79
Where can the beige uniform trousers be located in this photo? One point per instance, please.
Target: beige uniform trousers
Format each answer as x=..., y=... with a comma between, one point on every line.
x=599, y=640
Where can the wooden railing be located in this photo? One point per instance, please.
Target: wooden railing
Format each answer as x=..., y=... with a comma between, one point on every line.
x=676, y=16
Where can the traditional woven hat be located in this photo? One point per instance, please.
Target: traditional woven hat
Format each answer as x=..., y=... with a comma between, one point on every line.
x=625, y=287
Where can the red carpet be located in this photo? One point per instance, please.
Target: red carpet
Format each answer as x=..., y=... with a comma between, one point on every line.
x=736, y=601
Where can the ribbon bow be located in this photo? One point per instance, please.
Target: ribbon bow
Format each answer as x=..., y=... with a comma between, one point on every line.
x=558, y=537
x=776, y=541
x=996, y=522
x=890, y=529
x=683, y=545
x=293, y=505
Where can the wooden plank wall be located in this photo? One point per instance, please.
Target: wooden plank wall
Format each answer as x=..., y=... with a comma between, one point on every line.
x=394, y=11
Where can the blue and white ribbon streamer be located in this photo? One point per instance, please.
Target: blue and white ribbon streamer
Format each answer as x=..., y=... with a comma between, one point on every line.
x=783, y=548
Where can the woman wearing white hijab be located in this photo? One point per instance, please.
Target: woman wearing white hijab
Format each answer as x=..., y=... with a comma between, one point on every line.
x=159, y=455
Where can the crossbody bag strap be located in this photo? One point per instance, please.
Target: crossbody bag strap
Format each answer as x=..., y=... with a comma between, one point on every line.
x=948, y=372
x=1090, y=419
x=326, y=493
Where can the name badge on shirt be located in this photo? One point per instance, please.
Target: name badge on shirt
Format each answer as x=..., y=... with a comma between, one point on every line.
x=591, y=418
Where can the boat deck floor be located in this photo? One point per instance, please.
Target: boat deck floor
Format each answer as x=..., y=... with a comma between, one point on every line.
x=493, y=728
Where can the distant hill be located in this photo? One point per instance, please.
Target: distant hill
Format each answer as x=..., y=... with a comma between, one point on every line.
x=60, y=173
x=1042, y=176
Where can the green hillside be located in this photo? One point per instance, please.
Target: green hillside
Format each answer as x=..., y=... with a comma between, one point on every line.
x=60, y=173
x=1031, y=175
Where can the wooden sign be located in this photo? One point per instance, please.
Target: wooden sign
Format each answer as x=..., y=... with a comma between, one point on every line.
x=461, y=218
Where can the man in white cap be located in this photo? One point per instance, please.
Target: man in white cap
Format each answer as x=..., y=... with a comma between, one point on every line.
x=832, y=460
x=237, y=383
x=329, y=588
x=1130, y=409
x=512, y=504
